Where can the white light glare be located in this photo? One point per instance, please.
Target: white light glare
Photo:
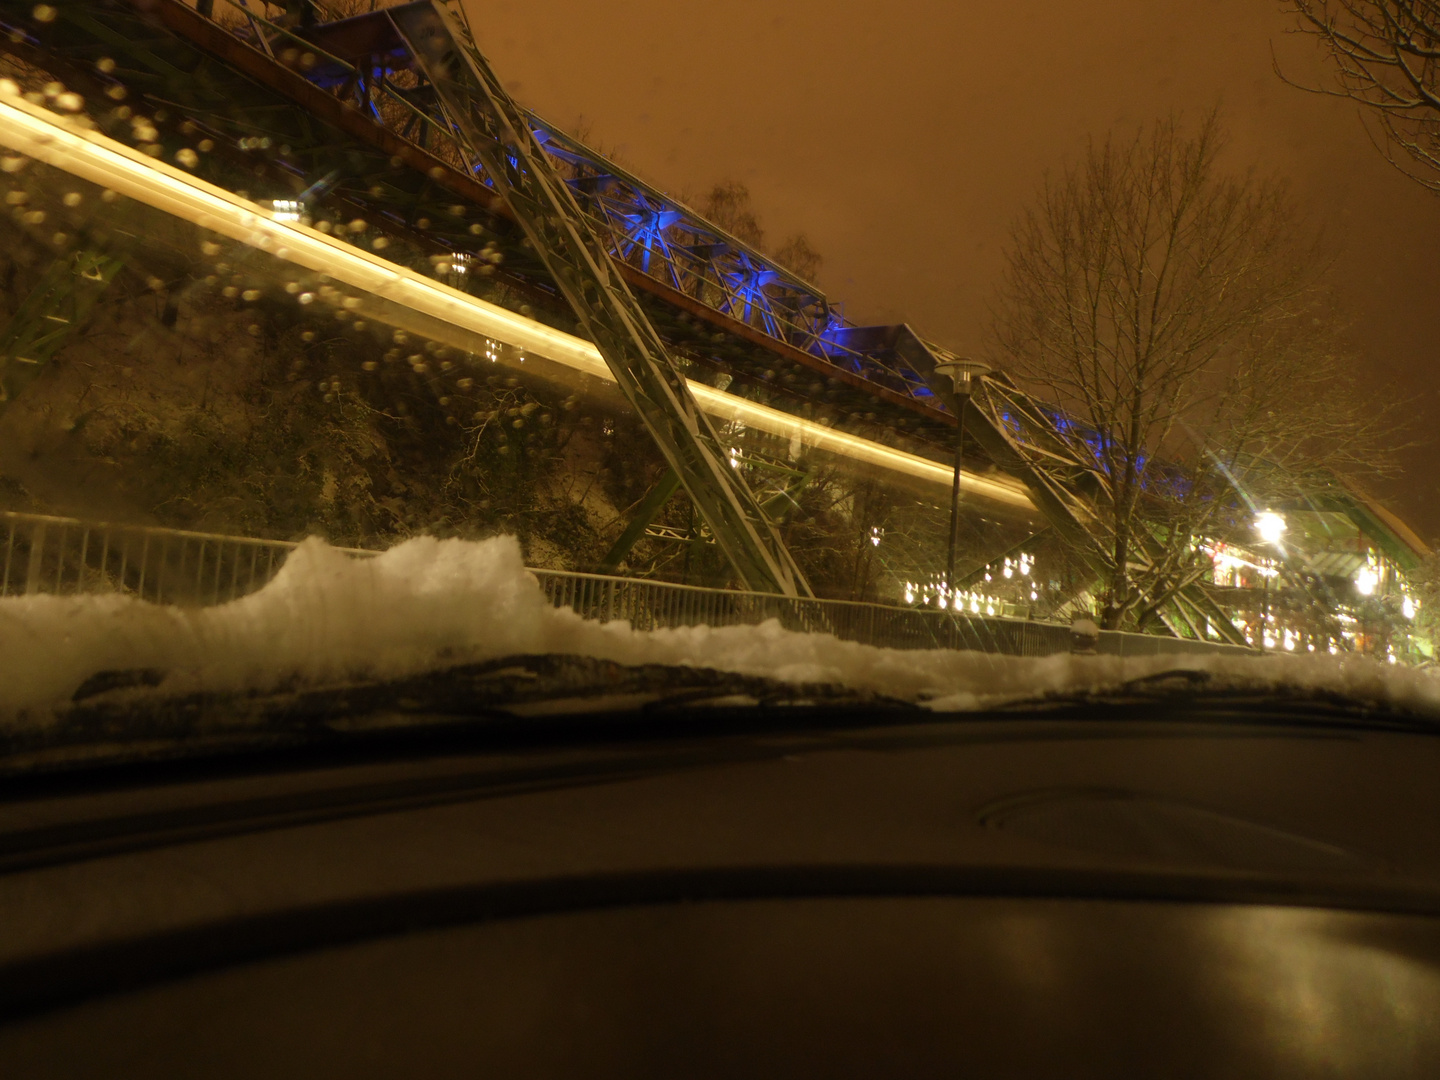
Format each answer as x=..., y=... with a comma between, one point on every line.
x=1366, y=580
x=285, y=210
x=1270, y=526
x=1407, y=608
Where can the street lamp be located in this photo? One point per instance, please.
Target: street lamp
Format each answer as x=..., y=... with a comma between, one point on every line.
x=962, y=372
x=1271, y=527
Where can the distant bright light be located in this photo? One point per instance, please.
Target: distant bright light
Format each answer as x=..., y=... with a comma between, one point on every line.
x=286, y=210
x=1407, y=607
x=1366, y=580
x=1270, y=526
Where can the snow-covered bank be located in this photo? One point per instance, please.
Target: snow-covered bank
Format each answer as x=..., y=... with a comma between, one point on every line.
x=431, y=603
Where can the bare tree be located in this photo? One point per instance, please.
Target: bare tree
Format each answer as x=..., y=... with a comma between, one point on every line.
x=728, y=205
x=797, y=255
x=1425, y=581
x=1166, y=312
x=1387, y=58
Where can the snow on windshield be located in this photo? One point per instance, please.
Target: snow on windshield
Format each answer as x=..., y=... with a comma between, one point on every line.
x=425, y=604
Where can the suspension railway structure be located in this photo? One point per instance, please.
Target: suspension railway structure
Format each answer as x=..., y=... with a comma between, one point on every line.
x=395, y=117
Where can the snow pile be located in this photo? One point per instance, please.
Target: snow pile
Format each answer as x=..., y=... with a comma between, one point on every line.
x=427, y=603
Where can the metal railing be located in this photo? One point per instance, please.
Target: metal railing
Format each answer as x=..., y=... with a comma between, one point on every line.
x=43, y=554
x=66, y=556
x=652, y=605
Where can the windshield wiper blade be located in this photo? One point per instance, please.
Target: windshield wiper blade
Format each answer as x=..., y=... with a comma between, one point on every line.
x=125, y=715
x=1191, y=693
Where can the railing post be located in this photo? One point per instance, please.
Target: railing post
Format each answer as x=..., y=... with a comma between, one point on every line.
x=84, y=554
x=60, y=561
x=9, y=554
x=37, y=551
x=144, y=565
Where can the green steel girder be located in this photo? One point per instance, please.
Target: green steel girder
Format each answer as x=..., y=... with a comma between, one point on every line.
x=491, y=127
x=653, y=502
x=54, y=311
x=777, y=508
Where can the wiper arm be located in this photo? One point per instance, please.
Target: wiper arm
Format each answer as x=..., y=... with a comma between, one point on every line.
x=129, y=714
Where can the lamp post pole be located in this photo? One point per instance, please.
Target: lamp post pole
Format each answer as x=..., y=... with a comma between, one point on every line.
x=1271, y=527
x=962, y=373
x=1265, y=611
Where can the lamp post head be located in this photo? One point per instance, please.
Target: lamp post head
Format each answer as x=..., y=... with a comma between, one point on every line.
x=1270, y=526
x=962, y=373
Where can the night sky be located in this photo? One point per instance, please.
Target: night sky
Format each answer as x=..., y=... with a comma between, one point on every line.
x=903, y=136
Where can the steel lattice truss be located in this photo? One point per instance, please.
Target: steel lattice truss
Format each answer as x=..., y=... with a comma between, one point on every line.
x=364, y=65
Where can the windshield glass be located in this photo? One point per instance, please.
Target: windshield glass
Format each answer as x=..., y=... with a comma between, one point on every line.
x=347, y=342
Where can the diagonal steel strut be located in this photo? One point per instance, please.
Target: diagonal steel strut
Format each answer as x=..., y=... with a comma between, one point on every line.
x=997, y=411
x=493, y=130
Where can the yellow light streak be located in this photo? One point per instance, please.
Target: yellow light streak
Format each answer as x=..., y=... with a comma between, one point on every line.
x=67, y=144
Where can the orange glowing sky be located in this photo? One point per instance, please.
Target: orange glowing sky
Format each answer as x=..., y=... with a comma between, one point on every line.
x=904, y=136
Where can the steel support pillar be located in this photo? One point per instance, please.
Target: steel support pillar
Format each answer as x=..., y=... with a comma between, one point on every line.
x=494, y=131
x=645, y=513
x=1057, y=484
